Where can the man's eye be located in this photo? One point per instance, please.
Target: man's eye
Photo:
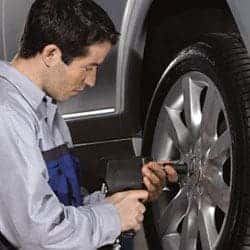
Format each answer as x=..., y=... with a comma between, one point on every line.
x=89, y=68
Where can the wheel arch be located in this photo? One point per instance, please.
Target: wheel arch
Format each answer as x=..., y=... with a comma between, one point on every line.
x=182, y=21
x=141, y=19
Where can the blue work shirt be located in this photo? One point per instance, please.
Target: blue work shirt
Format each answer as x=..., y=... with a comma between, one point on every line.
x=31, y=216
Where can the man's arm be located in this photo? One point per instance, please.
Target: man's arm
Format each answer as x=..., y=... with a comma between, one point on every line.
x=30, y=211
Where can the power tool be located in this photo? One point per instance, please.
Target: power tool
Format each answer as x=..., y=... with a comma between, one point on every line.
x=125, y=174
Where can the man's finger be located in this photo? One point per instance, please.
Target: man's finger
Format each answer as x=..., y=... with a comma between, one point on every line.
x=137, y=227
x=158, y=171
x=164, y=162
x=171, y=173
x=154, y=172
x=138, y=194
x=140, y=218
x=153, y=191
x=150, y=174
x=150, y=187
x=141, y=208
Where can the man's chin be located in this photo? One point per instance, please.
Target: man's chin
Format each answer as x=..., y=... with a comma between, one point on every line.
x=66, y=98
x=62, y=98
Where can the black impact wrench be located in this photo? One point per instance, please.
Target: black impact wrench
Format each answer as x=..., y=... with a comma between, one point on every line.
x=180, y=167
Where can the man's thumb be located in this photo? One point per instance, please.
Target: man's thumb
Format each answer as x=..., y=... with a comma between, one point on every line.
x=139, y=194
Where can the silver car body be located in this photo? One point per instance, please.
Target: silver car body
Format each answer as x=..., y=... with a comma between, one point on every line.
x=240, y=10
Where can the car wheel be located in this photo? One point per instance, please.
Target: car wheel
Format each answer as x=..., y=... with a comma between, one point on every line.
x=199, y=114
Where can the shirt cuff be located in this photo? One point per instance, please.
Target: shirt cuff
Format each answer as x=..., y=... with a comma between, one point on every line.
x=94, y=198
x=108, y=223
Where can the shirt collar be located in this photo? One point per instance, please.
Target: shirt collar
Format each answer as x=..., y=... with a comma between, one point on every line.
x=28, y=89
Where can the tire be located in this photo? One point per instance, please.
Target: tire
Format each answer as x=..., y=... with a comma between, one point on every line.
x=200, y=114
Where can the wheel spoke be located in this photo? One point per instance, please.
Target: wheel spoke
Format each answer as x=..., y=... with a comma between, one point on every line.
x=171, y=241
x=221, y=146
x=210, y=116
x=162, y=145
x=192, y=105
x=220, y=161
x=189, y=232
x=173, y=213
x=176, y=129
x=208, y=232
x=217, y=189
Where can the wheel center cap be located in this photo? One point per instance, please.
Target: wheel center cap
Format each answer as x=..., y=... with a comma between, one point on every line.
x=194, y=169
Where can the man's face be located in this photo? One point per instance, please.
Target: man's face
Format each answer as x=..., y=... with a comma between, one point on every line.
x=65, y=81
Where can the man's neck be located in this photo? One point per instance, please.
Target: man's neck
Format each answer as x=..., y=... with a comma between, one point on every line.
x=30, y=68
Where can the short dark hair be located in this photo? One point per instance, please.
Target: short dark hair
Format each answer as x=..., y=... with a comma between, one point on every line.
x=72, y=25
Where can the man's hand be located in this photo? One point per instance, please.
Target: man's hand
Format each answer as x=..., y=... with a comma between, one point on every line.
x=130, y=208
x=154, y=177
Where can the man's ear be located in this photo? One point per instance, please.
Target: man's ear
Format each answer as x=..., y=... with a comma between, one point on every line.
x=51, y=55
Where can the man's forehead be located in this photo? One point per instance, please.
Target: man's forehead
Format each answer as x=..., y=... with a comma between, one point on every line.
x=96, y=54
x=99, y=49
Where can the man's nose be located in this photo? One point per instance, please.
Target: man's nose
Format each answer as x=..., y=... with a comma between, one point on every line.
x=90, y=79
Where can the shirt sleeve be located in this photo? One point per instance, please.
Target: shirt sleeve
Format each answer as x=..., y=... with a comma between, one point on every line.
x=94, y=198
x=31, y=216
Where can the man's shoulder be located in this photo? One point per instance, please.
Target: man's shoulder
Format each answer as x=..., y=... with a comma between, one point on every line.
x=12, y=100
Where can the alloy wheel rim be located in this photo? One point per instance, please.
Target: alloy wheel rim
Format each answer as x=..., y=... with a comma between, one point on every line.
x=193, y=127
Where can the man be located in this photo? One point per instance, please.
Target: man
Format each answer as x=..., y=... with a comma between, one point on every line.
x=41, y=207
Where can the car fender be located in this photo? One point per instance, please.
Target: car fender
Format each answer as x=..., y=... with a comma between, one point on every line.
x=240, y=11
x=131, y=46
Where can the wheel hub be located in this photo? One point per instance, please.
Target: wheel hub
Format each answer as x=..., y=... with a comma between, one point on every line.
x=196, y=166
